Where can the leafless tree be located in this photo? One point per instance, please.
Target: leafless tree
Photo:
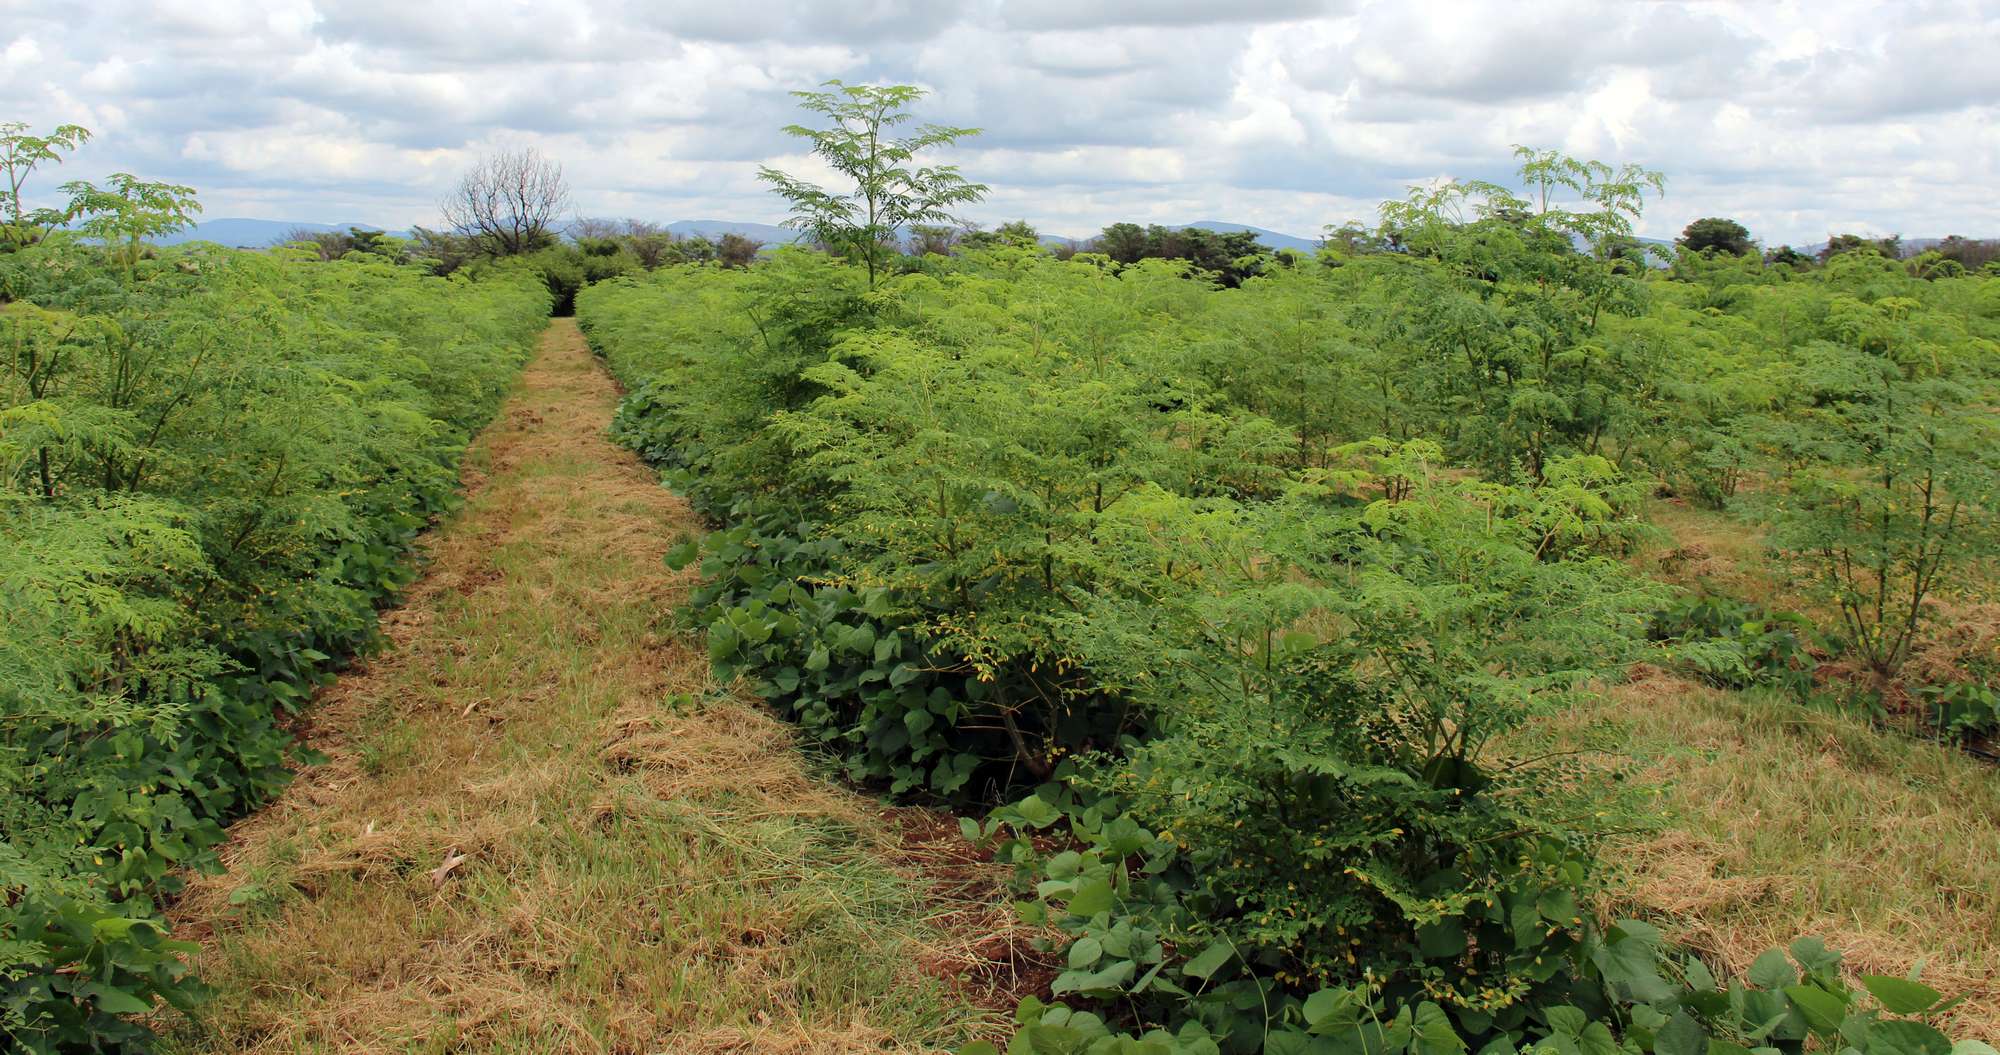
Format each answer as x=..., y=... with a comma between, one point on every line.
x=597, y=227
x=932, y=239
x=650, y=242
x=509, y=200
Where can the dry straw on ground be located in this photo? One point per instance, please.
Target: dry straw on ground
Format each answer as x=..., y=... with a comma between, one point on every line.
x=1774, y=820
x=519, y=842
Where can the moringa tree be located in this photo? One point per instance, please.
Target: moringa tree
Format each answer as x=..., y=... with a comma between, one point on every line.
x=1890, y=473
x=19, y=154
x=891, y=191
x=509, y=201
x=127, y=211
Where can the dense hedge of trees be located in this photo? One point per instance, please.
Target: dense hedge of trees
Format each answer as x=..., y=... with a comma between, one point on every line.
x=212, y=465
x=1236, y=592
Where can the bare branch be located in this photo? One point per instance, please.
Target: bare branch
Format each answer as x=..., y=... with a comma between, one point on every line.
x=509, y=200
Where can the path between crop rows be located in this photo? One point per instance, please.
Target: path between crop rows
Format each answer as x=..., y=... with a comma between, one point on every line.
x=539, y=828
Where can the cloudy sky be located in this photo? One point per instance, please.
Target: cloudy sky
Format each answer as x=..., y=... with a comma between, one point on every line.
x=1797, y=118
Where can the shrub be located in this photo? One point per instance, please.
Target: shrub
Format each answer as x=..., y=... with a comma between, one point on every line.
x=1208, y=571
x=1735, y=644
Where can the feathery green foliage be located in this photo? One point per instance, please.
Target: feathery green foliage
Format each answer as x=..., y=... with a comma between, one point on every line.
x=891, y=190
x=20, y=154
x=212, y=464
x=1243, y=587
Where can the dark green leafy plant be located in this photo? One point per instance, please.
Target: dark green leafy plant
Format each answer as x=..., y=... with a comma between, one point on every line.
x=1736, y=644
x=1783, y=1004
x=1963, y=708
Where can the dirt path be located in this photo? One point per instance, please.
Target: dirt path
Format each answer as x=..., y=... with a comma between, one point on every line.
x=540, y=828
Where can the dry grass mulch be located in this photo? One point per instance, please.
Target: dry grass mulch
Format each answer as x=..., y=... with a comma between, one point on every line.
x=1770, y=819
x=540, y=827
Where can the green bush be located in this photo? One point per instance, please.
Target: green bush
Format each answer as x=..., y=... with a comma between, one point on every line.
x=212, y=465
x=1247, y=586
x=567, y=268
x=1963, y=708
x=1735, y=644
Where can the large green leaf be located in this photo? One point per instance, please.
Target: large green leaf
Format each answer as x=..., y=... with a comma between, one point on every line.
x=1093, y=895
x=1037, y=811
x=1441, y=940
x=1772, y=970
x=1904, y=1037
x=1901, y=996
x=1209, y=960
x=1629, y=959
x=1111, y=976
x=1824, y=1012
x=1682, y=1035
x=116, y=1001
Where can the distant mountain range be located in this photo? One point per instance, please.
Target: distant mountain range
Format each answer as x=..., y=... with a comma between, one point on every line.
x=771, y=234
x=246, y=233
x=1269, y=239
x=241, y=233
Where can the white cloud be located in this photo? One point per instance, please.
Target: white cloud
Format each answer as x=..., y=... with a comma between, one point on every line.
x=21, y=53
x=1797, y=118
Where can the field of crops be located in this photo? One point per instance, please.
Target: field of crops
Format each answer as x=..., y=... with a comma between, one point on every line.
x=1288, y=625
x=212, y=466
x=1482, y=634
